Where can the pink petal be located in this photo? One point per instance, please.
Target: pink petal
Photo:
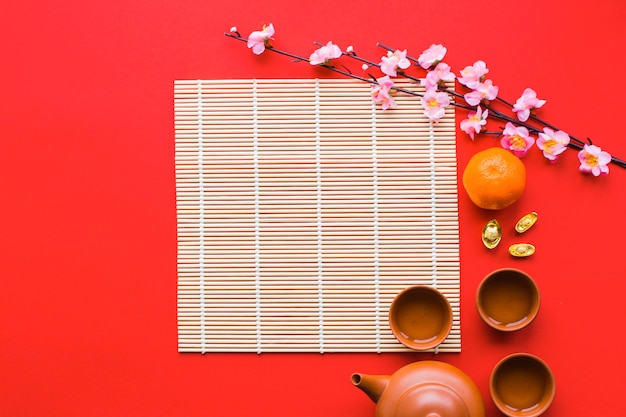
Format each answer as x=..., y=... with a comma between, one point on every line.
x=258, y=48
x=604, y=158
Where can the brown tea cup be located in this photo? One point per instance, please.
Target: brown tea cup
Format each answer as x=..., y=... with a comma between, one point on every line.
x=420, y=317
x=522, y=385
x=508, y=299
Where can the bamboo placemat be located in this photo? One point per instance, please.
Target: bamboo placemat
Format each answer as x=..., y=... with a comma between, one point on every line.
x=303, y=209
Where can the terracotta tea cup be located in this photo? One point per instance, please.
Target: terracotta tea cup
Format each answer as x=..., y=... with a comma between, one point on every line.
x=420, y=317
x=522, y=385
x=508, y=299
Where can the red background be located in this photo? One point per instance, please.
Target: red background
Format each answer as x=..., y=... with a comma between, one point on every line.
x=88, y=214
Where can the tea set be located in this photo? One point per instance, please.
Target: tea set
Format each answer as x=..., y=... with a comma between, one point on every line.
x=420, y=317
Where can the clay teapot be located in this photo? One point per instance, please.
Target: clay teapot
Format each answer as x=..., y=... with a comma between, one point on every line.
x=423, y=389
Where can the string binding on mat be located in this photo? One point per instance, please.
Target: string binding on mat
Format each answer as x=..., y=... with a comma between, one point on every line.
x=201, y=221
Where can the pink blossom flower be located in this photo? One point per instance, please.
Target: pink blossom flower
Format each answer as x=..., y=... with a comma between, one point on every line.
x=527, y=102
x=259, y=39
x=394, y=61
x=381, y=92
x=552, y=143
x=474, y=74
x=474, y=122
x=439, y=74
x=593, y=159
x=323, y=55
x=435, y=103
x=516, y=139
x=432, y=56
x=484, y=91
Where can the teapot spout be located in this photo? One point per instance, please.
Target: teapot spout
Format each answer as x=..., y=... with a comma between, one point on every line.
x=372, y=385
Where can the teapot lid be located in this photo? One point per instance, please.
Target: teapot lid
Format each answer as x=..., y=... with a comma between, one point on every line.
x=431, y=400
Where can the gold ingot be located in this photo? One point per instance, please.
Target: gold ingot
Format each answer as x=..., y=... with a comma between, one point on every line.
x=526, y=222
x=492, y=234
x=521, y=250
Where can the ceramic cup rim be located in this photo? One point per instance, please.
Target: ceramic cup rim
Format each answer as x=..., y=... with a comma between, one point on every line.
x=534, y=308
x=448, y=317
x=548, y=397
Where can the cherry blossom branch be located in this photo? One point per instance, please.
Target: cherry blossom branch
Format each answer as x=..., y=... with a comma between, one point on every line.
x=575, y=142
x=235, y=35
x=352, y=55
x=494, y=112
x=331, y=67
x=482, y=94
